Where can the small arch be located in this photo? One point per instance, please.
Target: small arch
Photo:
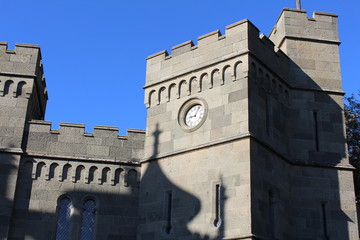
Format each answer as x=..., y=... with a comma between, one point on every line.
x=172, y=91
x=287, y=97
x=273, y=87
x=117, y=175
x=267, y=82
x=53, y=171
x=193, y=87
x=132, y=178
x=253, y=69
x=152, y=98
x=105, y=175
x=92, y=174
x=162, y=95
x=238, y=72
x=261, y=77
x=183, y=91
x=215, y=78
x=281, y=93
x=227, y=76
x=66, y=172
x=19, y=89
x=79, y=173
x=8, y=87
x=204, y=82
x=40, y=168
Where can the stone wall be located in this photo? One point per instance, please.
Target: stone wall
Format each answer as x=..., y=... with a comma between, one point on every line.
x=71, y=141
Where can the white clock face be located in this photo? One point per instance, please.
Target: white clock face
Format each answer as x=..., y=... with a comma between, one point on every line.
x=194, y=115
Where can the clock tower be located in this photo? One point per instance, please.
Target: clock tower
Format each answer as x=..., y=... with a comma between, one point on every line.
x=245, y=136
x=197, y=159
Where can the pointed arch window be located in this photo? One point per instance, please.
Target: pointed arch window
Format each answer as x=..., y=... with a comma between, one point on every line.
x=88, y=220
x=63, y=219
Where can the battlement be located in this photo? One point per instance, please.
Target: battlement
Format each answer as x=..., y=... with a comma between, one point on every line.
x=23, y=60
x=71, y=140
x=195, y=68
x=294, y=23
x=22, y=75
x=210, y=49
x=312, y=45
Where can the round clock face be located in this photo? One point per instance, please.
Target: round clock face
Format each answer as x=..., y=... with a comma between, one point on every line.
x=194, y=115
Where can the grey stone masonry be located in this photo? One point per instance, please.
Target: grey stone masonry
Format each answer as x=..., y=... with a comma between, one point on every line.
x=244, y=139
x=23, y=92
x=270, y=136
x=71, y=141
x=312, y=43
x=23, y=96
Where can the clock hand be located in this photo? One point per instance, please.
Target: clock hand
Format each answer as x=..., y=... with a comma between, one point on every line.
x=196, y=112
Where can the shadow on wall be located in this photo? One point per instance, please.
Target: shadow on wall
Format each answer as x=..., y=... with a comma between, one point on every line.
x=166, y=210
x=306, y=196
x=8, y=175
x=298, y=153
x=52, y=206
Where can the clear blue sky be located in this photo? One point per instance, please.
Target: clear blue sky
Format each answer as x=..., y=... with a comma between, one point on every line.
x=94, y=51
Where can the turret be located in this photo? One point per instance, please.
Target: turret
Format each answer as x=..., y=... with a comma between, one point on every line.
x=23, y=93
x=312, y=44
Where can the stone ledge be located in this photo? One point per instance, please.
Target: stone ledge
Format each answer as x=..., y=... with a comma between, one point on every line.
x=133, y=130
x=27, y=45
x=76, y=125
x=106, y=128
x=237, y=24
x=78, y=158
x=183, y=44
x=11, y=150
x=326, y=14
x=216, y=32
x=158, y=54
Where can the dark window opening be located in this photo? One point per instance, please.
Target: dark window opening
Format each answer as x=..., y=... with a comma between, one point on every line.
x=168, y=226
x=272, y=203
x=267, y=116
x=316, y=128
x=217, y=221
x=324, y=221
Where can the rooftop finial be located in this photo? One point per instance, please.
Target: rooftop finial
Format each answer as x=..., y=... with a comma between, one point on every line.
x=298, y=4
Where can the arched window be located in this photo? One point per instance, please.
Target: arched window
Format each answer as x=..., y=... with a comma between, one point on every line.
x=88, y=220
x=63, y=219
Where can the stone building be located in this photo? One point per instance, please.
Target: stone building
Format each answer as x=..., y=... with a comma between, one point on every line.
x=244, y=140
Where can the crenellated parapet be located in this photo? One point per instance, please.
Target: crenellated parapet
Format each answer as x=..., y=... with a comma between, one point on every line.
x=22, y=76
x=70, y=141
x=25, y=59
x=292, y=22
x=312, y=45
x=187, y=58
x=215, y=60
